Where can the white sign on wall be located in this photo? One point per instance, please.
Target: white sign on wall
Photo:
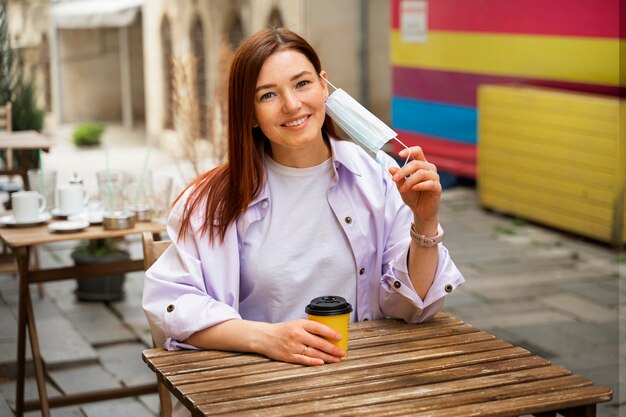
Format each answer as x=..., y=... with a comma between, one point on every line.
x=414, y=20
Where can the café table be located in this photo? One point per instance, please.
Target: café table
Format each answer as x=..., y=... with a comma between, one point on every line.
x=21, y=141
x=21, y=241
x=443, y=367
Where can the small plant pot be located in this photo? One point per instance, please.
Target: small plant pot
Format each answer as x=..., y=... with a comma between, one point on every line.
x=102, y=288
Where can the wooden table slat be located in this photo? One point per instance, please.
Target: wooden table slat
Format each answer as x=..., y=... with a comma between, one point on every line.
x=527, y=405
x=416, y=386
x=361, y=375
x=169, y=365
x=302, y=397
x=482, y=394
x=232, y=378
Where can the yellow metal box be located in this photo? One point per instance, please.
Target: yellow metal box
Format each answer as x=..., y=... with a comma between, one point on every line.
x=554, y=157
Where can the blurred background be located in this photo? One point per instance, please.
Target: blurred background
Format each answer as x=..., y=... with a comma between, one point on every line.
x=517, y=102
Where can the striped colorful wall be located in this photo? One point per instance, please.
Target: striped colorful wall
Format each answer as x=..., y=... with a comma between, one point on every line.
x=567, y=44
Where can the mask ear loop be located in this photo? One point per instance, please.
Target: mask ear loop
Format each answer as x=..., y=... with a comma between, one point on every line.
x=406, y=147
x=331, y=84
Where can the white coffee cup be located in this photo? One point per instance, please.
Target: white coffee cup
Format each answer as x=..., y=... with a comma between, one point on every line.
x=71, y=199
x=27, y=206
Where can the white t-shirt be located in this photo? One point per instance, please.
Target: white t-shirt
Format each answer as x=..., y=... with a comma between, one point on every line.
x=315, y=256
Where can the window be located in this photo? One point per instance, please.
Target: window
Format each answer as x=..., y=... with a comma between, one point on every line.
x=45, y=68
x=168, y=73
x=275, y=20
x=200, y=85
x=235, y=32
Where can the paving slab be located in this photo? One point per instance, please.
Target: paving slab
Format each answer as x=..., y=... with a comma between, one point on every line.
x=5, y=410
x=8, y=358
x=73, y=411
x=601, y=292
x=7, y=390
x=8, y=324
x=515, y=319
x=585, y=310
x=122, y=407
x=124, y=362
x=151, y=402
x=100, y=325
x=83, y=378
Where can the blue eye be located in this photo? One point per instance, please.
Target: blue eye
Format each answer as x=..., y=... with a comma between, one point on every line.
x=302, y=83
x=266, y=96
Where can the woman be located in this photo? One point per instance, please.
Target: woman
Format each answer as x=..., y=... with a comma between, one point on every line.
x=295, y=213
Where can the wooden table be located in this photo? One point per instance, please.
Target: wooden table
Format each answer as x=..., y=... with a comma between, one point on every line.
x=440, y=368
x=21, y=241
x=22, y=141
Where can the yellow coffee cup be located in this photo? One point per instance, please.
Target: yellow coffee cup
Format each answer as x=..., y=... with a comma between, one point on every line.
x=334, y=312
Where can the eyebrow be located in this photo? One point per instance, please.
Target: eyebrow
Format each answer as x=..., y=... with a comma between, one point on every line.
x=294, y=77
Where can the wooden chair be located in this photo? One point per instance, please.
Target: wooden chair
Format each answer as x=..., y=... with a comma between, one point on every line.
x=152, y=249
x=7, y=261
x=5, y=118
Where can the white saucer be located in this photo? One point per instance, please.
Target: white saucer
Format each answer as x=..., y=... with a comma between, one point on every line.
x=9, y=220
x=56, y=212
x=67, y=226
x=90, y=217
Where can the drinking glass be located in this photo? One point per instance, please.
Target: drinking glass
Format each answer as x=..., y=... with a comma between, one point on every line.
x=161, y=197
x=44, y=182
x=111, y=186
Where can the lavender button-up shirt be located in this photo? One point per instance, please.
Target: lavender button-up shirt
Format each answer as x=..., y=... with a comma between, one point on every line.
x=194, y=285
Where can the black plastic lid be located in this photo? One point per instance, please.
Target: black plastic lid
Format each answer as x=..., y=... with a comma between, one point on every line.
x=329, y=305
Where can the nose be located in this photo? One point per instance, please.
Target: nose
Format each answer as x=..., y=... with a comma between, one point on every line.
x=291, y=102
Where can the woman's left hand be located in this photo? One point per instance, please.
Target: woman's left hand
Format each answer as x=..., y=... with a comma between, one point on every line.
x=419, y=186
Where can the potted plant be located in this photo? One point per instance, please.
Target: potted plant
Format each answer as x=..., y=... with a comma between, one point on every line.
x=87, y=134
x=102, y=288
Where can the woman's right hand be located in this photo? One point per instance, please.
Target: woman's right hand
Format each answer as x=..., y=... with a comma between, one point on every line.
x=299, y=341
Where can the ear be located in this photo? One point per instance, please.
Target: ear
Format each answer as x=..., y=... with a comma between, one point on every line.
x=324, y=76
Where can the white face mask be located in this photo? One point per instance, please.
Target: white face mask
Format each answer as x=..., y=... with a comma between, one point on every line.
x=359, y=123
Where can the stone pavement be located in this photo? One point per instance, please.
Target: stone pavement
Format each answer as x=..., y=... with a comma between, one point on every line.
x=555, y=294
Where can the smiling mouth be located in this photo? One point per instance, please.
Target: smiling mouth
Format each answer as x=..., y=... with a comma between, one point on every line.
x=297, y=122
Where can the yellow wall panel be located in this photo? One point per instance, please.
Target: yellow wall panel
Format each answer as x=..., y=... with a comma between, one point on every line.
x=555, y=158
x=541, y=134
x=564, y=58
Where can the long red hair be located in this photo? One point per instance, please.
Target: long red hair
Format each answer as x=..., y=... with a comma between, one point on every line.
x=229, y=188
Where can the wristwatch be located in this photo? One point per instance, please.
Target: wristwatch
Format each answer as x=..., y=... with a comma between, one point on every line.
x=427, y=241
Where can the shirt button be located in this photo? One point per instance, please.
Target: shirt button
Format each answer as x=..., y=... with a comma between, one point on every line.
x=397, y=284
x=265, y=204
x=170, y=308
x=448, y=288
x=361, y=271
x=348, y=219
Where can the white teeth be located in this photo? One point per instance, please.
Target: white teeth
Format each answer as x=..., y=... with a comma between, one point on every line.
x=296, y=122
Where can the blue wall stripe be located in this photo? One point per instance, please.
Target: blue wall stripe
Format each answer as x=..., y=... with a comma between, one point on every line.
x=435, y=119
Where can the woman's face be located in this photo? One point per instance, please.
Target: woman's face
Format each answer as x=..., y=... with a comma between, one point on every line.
x=289, y=102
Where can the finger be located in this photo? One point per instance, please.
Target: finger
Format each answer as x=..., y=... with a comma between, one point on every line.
x=320, y=329
x=412, y=167
x=307, y=360
x=419, y=177
x=429, y=185
x=315, y=353
x=416, y=153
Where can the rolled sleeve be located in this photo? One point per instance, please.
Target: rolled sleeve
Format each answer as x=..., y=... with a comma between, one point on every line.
x=398, y=297
x=188, y=290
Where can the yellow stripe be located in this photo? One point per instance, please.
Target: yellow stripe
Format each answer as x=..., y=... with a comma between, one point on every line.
x=571, y=59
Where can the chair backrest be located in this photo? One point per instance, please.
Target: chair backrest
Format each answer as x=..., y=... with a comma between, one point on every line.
x=151, y=251
x=5, y=118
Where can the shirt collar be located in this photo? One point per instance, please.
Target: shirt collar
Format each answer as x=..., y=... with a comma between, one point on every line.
x=342, y=155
